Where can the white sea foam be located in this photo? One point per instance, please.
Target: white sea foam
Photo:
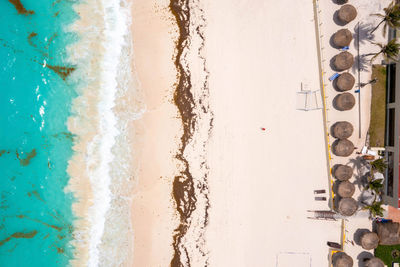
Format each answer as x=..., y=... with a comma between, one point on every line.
x=102, y=55
x=114, y=31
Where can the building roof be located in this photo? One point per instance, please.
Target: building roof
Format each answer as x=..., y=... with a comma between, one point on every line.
x=388, y=233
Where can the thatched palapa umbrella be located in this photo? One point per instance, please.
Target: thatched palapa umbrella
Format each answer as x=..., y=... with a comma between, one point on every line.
x=347, y=13
x=341, y=259
x=347, y=206
x=343, y=61
x=342, y=172
x=346, y=189
x=375, y=262
x=369, y=240
x=343, y=148
x=342, y=129
x=342, y=38
x=345, y=101
x=345, y=82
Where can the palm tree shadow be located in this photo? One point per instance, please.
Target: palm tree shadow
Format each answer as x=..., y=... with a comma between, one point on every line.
x=364, y=34
x=361, y=63
x=361, y=168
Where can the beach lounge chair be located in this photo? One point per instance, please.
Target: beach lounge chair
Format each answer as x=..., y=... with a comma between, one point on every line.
x=334, y=245
x=323, y=215
x=370, y=152
x=320, y=198
x=334, y=76
x=321, y=191
x=345, y=48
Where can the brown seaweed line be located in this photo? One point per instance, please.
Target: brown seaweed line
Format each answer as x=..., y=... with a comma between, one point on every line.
x=183, y=187
x=20, y=8
x=203, y=187
x=186, y=200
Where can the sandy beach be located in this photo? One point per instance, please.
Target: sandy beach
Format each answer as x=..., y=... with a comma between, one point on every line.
x=156, y=133
x=227, y=162
x=262, y=182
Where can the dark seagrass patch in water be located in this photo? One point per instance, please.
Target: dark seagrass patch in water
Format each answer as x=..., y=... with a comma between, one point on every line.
x=30, y=36
x=55, y=227
x=25, y=161
x=20, y=8
x=61, y=71
x=19, y=235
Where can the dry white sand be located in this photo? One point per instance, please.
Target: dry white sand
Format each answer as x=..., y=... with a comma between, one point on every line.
x=262, y=182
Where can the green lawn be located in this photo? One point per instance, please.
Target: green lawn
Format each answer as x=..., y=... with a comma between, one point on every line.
x=378, y=107
x=385, y=254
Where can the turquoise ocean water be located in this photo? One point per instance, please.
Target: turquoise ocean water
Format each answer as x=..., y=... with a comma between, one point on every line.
x=35, y=145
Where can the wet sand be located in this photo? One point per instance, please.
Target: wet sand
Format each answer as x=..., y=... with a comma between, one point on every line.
x=156, y=133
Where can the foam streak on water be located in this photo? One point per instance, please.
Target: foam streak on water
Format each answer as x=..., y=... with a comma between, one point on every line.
x=104, y=32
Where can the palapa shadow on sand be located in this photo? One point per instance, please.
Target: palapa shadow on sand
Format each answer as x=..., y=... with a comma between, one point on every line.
x=332, y=64
x=340, y=2
x=358, y=234
x=332, y=43
x=335, y=189
x=334, y=85
x=362, y=257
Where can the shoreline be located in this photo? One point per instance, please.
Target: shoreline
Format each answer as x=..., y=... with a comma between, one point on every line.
x=178, y=161
x=99, y=168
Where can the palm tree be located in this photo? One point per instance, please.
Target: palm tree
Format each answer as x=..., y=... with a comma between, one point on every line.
x=375, y=209
x=375, y=185
x=391, y=17
x=379, y=165
x=389, y=51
